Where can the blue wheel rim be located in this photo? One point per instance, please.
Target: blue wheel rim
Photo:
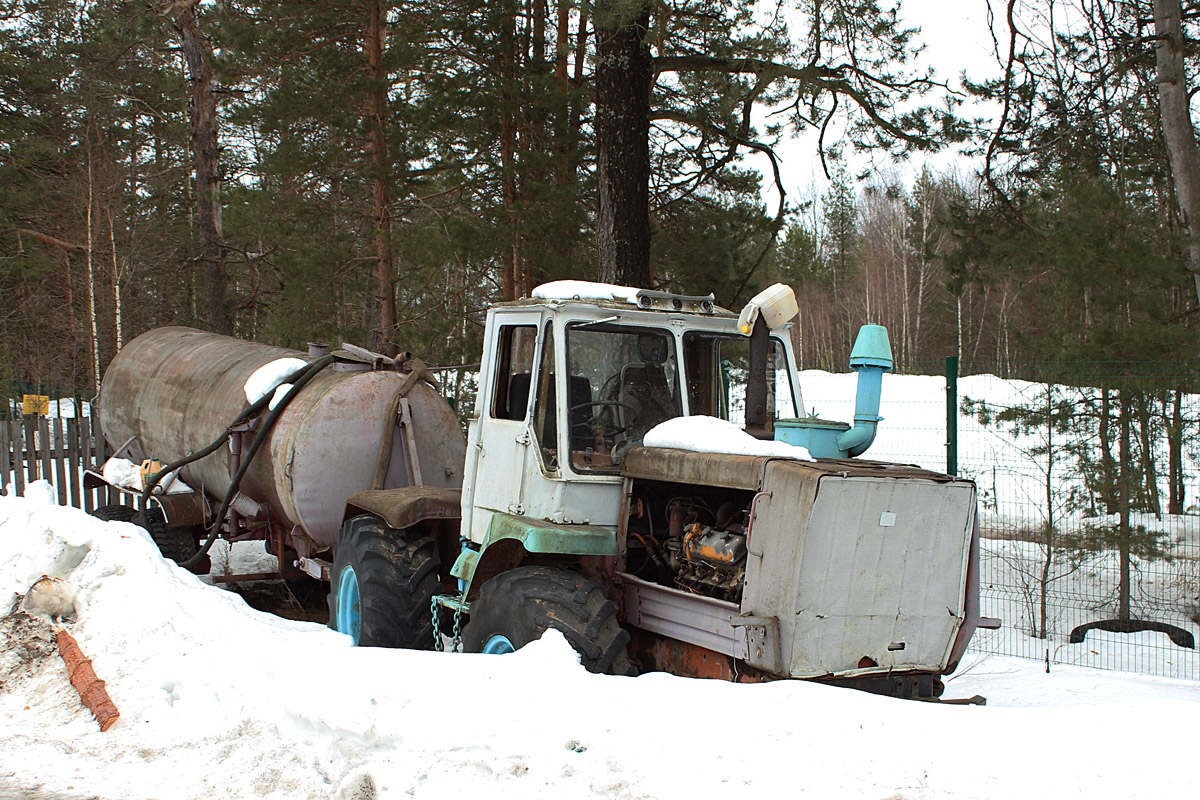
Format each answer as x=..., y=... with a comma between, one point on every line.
x=499, y=645
x=349, y=611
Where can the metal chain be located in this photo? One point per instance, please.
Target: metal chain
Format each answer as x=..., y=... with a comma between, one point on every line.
x=456, y=640
x=437, y=633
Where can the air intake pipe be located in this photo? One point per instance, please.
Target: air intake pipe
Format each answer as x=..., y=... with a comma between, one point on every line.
x=870, y=358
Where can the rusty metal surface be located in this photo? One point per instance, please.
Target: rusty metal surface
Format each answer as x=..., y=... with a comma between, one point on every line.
x=699, y=469
x=406, y=506
x=177, y=389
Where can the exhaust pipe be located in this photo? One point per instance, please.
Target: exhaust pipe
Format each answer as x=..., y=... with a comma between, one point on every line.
x=870, y=358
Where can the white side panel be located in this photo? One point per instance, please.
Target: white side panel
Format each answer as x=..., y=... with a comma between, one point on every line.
x=882, y=575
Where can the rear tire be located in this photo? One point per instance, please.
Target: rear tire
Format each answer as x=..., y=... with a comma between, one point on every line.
x=518, y=606
x=382, y=585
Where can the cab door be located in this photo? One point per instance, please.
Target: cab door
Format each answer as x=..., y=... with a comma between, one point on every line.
x=500, y=438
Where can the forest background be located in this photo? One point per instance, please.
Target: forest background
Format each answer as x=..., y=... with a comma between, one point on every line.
x=380, y=171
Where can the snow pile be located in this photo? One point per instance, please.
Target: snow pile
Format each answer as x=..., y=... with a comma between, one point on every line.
x=220, y=701
x=585, y=290
x=703, y=434
x=124, y=473
x=269, y=377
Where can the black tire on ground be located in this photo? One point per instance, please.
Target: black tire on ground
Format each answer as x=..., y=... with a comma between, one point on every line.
x=397, y=579
x=115, y=513
x=523, y=603
x=176, y=544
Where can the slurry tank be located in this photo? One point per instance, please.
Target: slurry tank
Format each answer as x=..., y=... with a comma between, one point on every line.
x=176, y=389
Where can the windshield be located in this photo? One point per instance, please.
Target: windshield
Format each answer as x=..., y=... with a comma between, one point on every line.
x=622, y=382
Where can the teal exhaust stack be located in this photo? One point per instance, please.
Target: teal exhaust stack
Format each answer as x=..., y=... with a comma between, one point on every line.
x=870, y=358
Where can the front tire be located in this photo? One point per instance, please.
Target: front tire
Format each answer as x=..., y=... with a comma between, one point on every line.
x=518, y=606
x=382, y=586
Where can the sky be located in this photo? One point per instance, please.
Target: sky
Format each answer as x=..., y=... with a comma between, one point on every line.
x=957, y=39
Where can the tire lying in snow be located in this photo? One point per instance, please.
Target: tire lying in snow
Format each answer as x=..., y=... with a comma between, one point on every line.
x=518, y=606
x=382, y=585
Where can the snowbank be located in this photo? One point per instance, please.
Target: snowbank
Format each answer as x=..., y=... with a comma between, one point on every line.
x=220, y=701
x=703, y=434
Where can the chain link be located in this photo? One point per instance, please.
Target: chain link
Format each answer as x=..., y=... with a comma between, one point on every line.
x=456, y=639
x=437, y=633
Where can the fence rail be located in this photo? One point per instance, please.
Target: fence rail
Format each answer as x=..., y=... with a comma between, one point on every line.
x=56, y=450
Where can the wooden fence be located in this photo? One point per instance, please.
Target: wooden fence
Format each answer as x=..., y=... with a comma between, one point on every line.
x=56, y=450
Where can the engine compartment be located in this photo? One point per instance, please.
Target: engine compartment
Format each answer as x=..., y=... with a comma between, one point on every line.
x=684, y=539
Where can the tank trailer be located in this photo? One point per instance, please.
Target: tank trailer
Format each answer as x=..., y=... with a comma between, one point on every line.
x=745, y=564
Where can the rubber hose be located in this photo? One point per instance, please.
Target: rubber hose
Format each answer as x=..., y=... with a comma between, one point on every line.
x=298, y=380
x=246, y=414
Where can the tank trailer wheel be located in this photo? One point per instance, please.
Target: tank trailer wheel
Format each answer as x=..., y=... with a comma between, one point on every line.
x=176, y=544
x=115, y=513
x=382, y=586
x=516, y=607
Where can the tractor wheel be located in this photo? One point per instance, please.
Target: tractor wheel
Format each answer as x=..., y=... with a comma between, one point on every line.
x=518, y=606
x=382, y=586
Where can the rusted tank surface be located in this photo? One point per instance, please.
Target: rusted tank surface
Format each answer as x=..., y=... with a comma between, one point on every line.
x=176, y=389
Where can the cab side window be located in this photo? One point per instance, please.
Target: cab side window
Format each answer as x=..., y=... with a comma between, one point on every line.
x=514, y=369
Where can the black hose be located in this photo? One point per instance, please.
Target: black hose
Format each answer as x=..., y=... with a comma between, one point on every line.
x=298, y=380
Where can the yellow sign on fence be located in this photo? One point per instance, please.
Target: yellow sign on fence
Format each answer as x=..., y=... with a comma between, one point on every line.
x=36, y=404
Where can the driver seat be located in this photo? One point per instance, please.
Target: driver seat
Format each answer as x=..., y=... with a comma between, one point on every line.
x=644, y=387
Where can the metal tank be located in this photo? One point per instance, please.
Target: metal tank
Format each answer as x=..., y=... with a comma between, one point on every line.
x=176, y=389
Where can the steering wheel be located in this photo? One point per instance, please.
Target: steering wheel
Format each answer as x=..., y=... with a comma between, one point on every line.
x=592, y=422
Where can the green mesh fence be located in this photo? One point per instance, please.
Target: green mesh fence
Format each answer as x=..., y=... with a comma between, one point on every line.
x=1089, y=492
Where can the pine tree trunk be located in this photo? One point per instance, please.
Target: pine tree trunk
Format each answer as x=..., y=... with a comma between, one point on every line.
x=1175, y=451
x=624, y=75
x=377, y=150
x=508, y=147
x=1178, y=134
x=198, y=53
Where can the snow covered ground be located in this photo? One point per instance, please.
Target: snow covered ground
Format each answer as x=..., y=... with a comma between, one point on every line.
x=218, y=700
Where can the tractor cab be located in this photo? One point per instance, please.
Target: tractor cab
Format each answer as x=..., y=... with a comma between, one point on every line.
x=623, y=360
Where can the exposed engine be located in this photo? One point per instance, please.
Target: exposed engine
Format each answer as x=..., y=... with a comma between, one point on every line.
x=703, y=551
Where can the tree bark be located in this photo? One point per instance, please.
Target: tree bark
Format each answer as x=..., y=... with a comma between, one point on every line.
x=624, y=75
x=1178, y=133
x=377, y=148
x=198, y=53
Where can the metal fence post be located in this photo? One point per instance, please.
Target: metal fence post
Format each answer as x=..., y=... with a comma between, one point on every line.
x=952, y=415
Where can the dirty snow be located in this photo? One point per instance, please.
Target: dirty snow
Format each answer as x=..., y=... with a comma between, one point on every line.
x=584, y=290
x=268, y=378
x=712, y=435
x=218, y=701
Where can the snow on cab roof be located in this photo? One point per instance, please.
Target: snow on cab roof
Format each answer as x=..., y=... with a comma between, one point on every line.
x=645, y=299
